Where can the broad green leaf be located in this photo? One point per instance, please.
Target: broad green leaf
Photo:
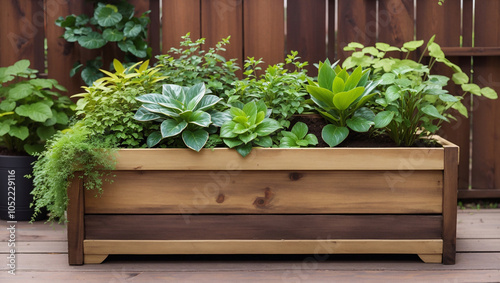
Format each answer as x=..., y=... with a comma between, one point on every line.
x=244, y=149
x=489, y=93
x=154, y=138
x=195, y=140
x=343, y=100
x=153, y=98
x=207, y=101
x=387, y=79
x=460, y=78
x=355, y=45
x=392, y=93
x=365, y=113
x=302, y=143
x=7, y=105
x=289, y=135
x=232, y=142
x=287, y=142
x=359, y=124
x=90, y=75
x=472, y=88
x=4, y=128
x=61, y=117
x=227, y=130
x=323, y=95
x=144, y=115
x=250, y=109
x=45, y=133
x=170, y=128
x=435, y=51
x=433, y=112
x=371, y=50
x=338, y=85
x=38, y=112
x=261, y=107
x=353, y=79
x=240, y=128
x=107, y=16
x=235, y=112
x=219, y=118
x=386, y=47
x=412, y=45
x=334, y=135
x=194, y=95
x=132, y=29
x=155, y=108
x=21, y=132
x=247, y=137
x=312, y=139
x=137, y=51
x=260, y=117
x=448, y=97
x=383, y=119
x=326, y=75
x=41, y=83
x=19, y=67
x=267, y=126
x=112, y=34
x=20, y=91
x=266, y=141
x=93, y=40
x=200, y=118
x=300, y=130
x=460, y=108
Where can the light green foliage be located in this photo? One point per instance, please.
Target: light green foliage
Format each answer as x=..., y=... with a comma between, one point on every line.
x=107, y=107
x=249, y=125
x=412, y=99
x=68, y=151
x=190, y=65
x=341, y=97
x=298, y=137
x=110, y=23
x=31, y=110
x=182, y=111
x=282, y=90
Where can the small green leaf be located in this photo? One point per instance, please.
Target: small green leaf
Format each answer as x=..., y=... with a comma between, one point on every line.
x=267, y=126
x=460, y=78
x=20, y=91
x=107, y=16
x=112, y=34
x=448, y=97
x=144, y=115
x=244, y=149
x=247, y=137
x=154, y=138
x=195, y=140
x=200, y=118
x=334, y=135
x=311, y=139
x=412, y=45
x=93, y=40
x=266, y=141
x=227, y=130
x=433, y=112
x=489, y=93
x=392, y=93
x=338, y=85
x=472, y=88
x=387, y=79
x=38, y=112
x=435, y=51
x=359, y=124
x=7, y=105
x=343, y=100
x=383, y=119
x=300, y=130
x=132, y=29
x=21, y=132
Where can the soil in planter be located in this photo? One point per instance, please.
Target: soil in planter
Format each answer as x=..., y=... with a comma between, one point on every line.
x=317, y=122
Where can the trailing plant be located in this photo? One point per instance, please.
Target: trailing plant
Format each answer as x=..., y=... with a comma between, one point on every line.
x=341, y=97
x=68, y=151
x=282, y=90
x=192, y=64
x=249, y=125
x=182, y=111
x=298, y=137
x=31, y=109
x=110, y=23
x=107, y=107
x=415, y=99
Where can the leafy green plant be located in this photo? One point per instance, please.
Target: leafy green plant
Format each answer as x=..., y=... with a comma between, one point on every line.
x=414, y=101
x=31, y=111
x=182, y=111
x=281, y=89
x=193, y=64
x=298, y=137
x=249, y=125
x=68, y=151
x=341, y=97
x=108, y=106
x=109, y=24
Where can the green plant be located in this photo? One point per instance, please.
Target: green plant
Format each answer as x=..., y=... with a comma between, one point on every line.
x=109, y=24
x=298, y=137
x=68, y=151
x=30, y=110
x=341, y=97
x=249, y=125
x=192, y=64
x=107, y=107
x=415, y=102
x=182, y=111
x=282, y=90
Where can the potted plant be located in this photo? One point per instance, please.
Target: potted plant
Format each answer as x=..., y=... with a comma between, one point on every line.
x=271, y=195
x=30, y=113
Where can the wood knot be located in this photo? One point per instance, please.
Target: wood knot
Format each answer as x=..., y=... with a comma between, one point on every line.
x=294, y=176
x=263, y=202
x=220, y=198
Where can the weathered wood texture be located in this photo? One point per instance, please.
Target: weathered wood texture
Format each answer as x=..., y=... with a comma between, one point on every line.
x=75, y=214
x=261, y=227
x=269, y=192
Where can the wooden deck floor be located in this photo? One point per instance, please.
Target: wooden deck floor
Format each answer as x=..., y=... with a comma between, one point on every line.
x=41, y=256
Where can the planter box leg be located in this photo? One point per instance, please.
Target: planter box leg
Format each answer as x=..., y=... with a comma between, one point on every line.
x=431, y=258
x=95, y=259
x=450, y=204
x=75, y=221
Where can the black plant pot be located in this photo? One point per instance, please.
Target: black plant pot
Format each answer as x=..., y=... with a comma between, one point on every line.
x=15, y=189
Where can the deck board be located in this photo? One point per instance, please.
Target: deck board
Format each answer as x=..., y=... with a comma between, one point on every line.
x=42, y=257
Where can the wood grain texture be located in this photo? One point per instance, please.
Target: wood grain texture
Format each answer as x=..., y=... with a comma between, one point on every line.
x=174, y=26
x=261, y=227
x=264, y=30
x=282, y=159
x=431, y=258
x=75, y=216
x=395, y=22
x=450, y=204
x=94, y=258
x=269, y=192
x=331, y=32
x=99, y=247
x=307, y=31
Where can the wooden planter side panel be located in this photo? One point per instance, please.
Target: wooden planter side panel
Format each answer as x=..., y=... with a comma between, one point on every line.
x=269, y=192
x=261, y=227
x=75, y=214
x=450, y=204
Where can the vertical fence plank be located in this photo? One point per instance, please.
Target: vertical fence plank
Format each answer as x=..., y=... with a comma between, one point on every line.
x=445, y=24
x=179, y=17
x=395, y=22
x=264, y=30
x=142, y=6
x=486, y=113
x=22, y=33
x=220, y=19
x=331, y=32
x=356, y=23
x=306, y=26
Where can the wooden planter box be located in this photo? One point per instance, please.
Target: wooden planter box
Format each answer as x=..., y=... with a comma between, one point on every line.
x=274, y=201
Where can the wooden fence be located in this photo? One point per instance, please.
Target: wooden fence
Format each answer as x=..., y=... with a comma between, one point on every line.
x=318, y=29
